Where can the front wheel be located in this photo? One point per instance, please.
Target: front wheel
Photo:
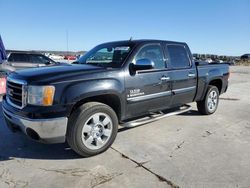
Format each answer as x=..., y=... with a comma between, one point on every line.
x=210, y=103
x=92, y=129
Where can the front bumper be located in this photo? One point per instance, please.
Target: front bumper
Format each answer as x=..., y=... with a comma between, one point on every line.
x=51, y=130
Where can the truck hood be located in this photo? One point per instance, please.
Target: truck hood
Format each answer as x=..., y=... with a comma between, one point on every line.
x=65, y=72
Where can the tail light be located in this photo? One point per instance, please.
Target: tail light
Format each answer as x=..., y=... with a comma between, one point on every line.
x=3, y=85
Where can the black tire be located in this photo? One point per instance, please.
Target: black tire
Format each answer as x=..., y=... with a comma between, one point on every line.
x=203, y=105
x=78, y=119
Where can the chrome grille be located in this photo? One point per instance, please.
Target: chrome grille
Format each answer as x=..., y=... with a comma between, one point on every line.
x=16, y=92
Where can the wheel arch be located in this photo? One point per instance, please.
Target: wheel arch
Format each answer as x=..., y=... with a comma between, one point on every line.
x=217, y=83
x=112, y=100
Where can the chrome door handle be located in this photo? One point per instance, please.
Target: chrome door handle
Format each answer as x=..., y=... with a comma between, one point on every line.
x=191, y=75
x=165, y=78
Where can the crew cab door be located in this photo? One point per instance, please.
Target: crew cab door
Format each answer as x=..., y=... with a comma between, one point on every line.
x=148, y=90
x=183, y=73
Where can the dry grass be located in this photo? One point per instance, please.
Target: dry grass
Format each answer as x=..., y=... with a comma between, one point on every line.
x=243, y=62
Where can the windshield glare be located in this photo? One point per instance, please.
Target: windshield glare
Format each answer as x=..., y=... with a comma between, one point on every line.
x=106, y=55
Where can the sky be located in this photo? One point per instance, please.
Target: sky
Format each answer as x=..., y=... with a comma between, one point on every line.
x=213, y=26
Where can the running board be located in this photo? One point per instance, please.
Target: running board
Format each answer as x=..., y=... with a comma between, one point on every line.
x=154, y=117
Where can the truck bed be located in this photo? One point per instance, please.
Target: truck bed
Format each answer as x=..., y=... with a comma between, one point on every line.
x=211, y=71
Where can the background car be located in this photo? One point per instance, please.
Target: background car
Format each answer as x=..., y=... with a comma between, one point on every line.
x=2, y=84
x=55, y=57
x=245, y=57
x=70, y=57
x=22, y=60
x=3, y=74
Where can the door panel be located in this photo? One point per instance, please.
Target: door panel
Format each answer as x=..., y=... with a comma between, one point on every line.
x=183, y=86
x=148, y=90
x=184, y=76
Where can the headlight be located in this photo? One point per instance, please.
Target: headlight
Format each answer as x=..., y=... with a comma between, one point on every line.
x=41, y=95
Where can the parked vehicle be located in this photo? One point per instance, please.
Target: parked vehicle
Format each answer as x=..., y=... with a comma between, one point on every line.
x=2, y=51
x=209, y=60
x=2, y=84
x=70, y=57
x=112, y=84
x=55, y=57
x=23, y=60
x=245, y=57
x=3, y=57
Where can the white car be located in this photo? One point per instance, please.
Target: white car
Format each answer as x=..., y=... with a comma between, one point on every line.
x=55, y=57
x=209, y=60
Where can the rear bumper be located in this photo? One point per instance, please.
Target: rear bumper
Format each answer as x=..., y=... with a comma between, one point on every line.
x=51, y=130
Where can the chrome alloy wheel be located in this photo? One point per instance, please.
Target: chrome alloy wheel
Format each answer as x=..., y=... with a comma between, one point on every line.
x=97, y=131
x=212, y=101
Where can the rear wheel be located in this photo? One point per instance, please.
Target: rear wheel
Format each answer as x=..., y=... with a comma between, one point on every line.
x=210, y=103
x=92, y=129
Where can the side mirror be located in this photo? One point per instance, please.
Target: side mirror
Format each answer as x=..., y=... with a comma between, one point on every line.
x=143, y=64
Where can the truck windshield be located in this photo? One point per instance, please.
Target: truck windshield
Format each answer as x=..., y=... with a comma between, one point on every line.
x=107, y=55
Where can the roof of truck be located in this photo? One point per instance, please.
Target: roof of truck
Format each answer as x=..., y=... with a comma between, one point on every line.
x=144, y=41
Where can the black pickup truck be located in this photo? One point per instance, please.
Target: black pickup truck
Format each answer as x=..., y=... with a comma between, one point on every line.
x=84, y=102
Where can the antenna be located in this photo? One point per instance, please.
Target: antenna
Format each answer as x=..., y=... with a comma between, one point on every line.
x=131, y=38
x=67, y=42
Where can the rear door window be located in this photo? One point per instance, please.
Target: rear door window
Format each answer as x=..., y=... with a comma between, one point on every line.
x=178, y=56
